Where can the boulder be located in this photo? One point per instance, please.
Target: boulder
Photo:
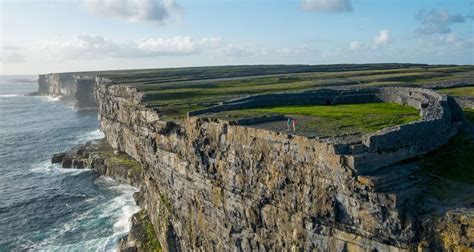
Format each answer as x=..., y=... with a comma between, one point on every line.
x=78, y=164
x=67, y=162
x=58, y=158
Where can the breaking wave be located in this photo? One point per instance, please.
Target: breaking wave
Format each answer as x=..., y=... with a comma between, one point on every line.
x=44, y=207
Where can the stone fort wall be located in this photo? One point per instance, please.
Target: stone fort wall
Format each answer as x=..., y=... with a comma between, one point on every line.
x=439, y=116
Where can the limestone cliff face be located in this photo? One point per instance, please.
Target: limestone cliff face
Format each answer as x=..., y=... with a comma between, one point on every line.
x=211, y=185
x=71, y=87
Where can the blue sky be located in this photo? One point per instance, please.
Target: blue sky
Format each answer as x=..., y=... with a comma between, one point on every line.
x=40, y=36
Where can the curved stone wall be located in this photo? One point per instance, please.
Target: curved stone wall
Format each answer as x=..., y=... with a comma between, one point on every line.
x=387, y=146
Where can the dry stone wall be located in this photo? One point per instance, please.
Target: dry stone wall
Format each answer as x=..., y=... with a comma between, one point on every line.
x=438, y=118
x=212, y=186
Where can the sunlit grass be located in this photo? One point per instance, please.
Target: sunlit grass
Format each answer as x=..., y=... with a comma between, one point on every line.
x=176, y=89
x=338, y=119
x=461, y=91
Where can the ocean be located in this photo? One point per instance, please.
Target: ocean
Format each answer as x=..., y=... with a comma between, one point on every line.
x=44, y=207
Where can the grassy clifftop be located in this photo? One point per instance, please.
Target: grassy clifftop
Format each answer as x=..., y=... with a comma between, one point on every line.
x=334, y=120
x=175, y=91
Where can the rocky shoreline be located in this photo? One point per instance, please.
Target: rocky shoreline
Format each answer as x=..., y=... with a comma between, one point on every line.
x=100, y=157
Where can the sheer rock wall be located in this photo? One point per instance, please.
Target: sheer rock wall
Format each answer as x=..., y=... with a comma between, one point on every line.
x=211, y=185
x=71, y=87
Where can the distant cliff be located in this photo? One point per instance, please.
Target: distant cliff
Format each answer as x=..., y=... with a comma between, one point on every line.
x=70, y=87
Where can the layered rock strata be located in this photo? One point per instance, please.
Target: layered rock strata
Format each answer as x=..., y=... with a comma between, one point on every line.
x=100, y=156
x=71, y=87
x=212, y=185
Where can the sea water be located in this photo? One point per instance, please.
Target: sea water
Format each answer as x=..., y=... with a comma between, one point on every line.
x=42, y=206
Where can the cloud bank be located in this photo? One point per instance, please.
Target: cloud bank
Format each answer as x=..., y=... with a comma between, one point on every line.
x=437, y=21
x=133, y=10
x=326, y=5
x=97, y=46
x=92, y=46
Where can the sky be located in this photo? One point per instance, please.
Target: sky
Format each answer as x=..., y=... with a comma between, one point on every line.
x=41, y=36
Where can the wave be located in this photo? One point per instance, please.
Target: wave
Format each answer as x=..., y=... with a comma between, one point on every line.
x=116, y=211
x=89, y=136
x=10, y=95
x=56, y=98
x=48, y=168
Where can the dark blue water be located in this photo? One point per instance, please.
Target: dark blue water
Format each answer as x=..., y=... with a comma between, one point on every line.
x=44, y=207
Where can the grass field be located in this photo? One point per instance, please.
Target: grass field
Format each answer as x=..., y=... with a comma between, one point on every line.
x=174, y=91
x=461, y=91
x=453, y=161
x=469, y=113
x=337, y=119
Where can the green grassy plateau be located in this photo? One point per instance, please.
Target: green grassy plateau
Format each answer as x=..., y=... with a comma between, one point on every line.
x=175, y=91
x=338, y=119
x=460, y=91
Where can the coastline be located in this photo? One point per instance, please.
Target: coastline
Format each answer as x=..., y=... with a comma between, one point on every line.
x=195, y=153
x=99, y=156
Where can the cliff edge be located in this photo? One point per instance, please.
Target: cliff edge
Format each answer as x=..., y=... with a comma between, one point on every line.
x=215, y=184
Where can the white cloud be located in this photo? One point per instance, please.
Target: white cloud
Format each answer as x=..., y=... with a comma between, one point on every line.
x=177, y=45
x=326, y=5
x=437, y=21
x=96, y=46
x=358, y=45
x=382, y=38
x=133, y=10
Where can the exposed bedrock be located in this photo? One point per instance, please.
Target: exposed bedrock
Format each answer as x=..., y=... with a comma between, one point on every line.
x=71, y=87
x=99, y=156
x=209, y=185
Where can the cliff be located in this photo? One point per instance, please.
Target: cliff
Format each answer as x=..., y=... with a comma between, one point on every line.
x=213, y=185
x=70, y=87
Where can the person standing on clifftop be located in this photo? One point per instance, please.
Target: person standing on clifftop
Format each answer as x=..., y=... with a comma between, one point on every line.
x=288, y=123
x=294, y=124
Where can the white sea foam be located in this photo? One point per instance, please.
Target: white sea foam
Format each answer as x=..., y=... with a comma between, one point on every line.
x=123, y=206
x=48, y=168
x=119, y=209
x=45, y=166
x=89, y=136
x=55, y=98
x=10, y=95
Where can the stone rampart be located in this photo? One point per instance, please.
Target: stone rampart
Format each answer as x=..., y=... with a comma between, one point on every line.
x=384, y=147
